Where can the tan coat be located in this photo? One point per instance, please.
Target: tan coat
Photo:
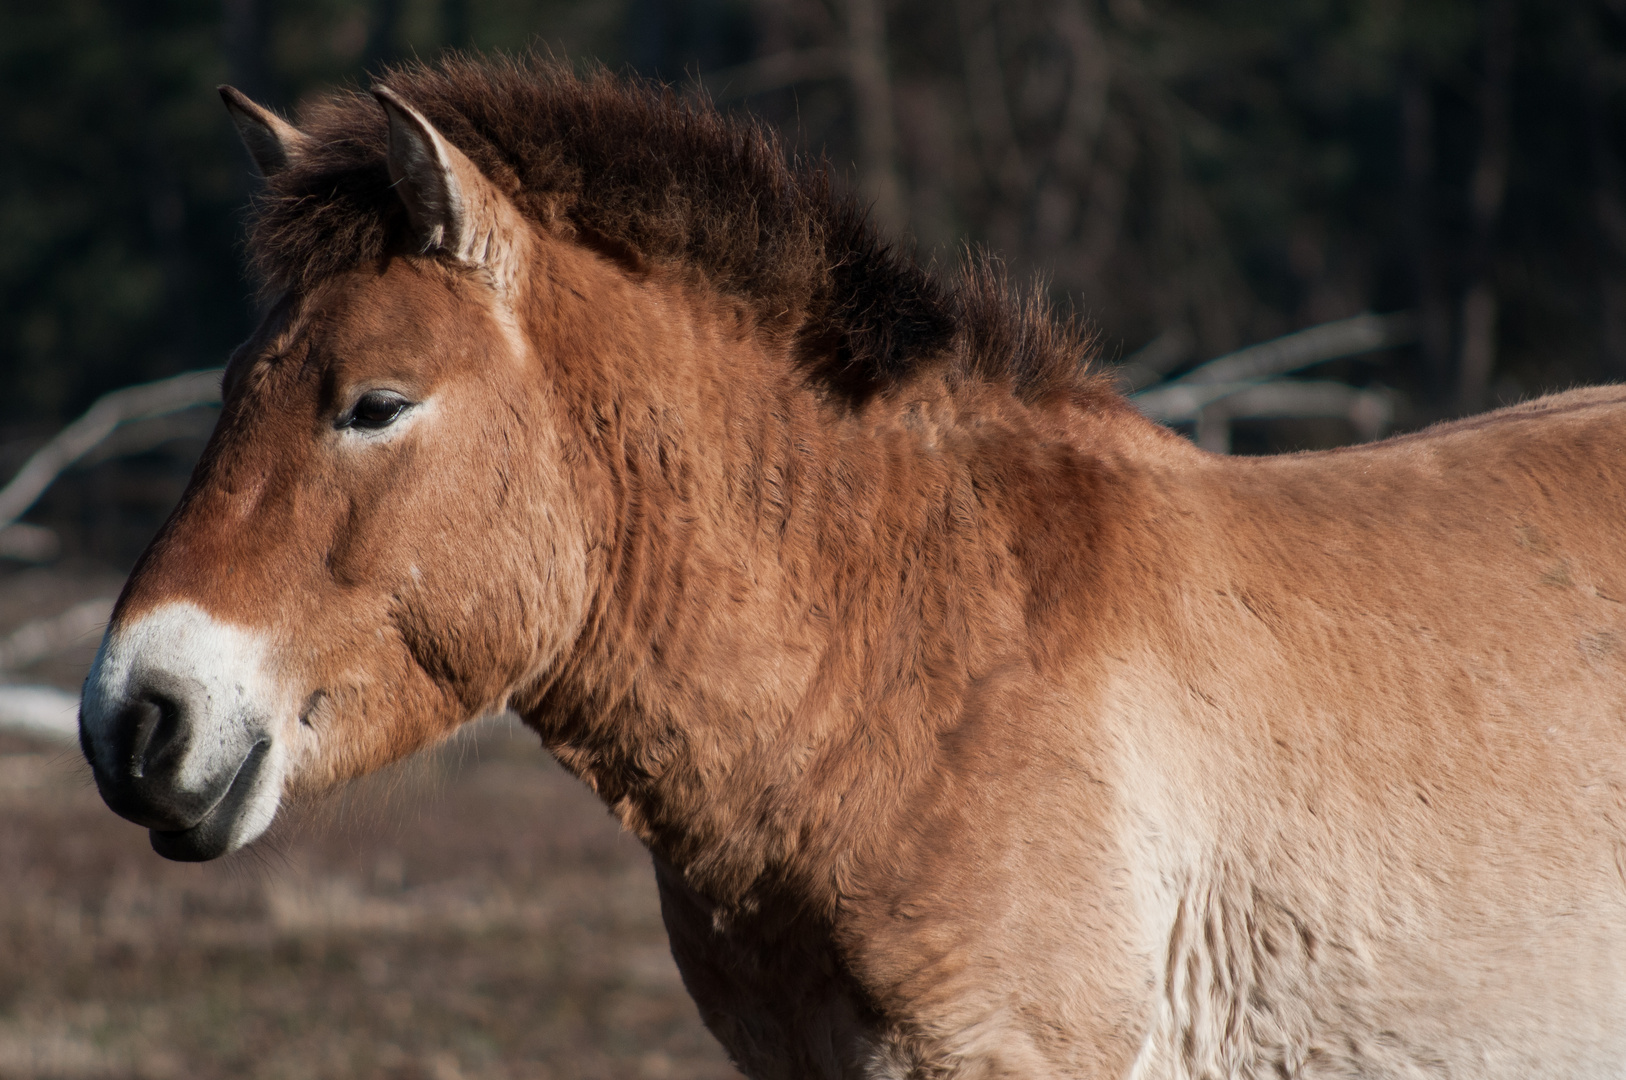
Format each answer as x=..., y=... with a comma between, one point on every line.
x=1326, y=780
x=979, y=727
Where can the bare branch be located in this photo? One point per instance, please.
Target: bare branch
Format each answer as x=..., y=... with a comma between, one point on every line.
x=1328, y=341
x=1153, y=360
x=1369, y=411
x=1180, y=402
x=101, y=420
x=39, y=639
x=29, y=543
x=140, y=436
x=41, y=711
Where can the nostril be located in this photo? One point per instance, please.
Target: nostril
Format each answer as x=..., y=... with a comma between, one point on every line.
x=151, y=778
x=157, y=727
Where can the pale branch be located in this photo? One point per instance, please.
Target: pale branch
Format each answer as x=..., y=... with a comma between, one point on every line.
x=1317, y=344
x=140, y=436
x=41, y=711
x=1156, y=358
x=1179, y=402
x=1280, y=400
x=29, y=543
x=101, y=420
x=39, y=639
x=1236, y=386
x=1368, y=411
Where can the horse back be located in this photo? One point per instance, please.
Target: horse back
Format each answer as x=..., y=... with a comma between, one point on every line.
x=1372, y=749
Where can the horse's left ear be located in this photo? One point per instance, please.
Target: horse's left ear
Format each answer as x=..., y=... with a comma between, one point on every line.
x=453, y=207
x=272, y=142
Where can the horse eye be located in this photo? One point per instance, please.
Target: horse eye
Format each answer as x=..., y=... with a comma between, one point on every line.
x=375, y=409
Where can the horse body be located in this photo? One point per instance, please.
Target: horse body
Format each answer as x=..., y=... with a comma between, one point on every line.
x=977, y=726
x=1377, y=790
x=1325, y=780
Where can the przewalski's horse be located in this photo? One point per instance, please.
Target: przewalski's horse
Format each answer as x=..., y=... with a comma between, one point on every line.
x=978, y=727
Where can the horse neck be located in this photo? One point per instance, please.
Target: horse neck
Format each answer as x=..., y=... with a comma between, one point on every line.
x=794, y=597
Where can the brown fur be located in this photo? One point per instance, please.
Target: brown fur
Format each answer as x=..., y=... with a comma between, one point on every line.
x=635, y=172
x=978, y=727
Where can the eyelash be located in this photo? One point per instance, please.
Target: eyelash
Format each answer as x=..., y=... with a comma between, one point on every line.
x=375, y=411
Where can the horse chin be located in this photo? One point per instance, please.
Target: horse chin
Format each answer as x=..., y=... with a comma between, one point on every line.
x=244, y=812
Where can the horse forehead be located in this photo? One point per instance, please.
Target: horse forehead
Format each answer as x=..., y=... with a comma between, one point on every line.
x=400, y=314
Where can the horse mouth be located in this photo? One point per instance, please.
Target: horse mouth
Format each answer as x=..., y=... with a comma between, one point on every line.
x=212, y=836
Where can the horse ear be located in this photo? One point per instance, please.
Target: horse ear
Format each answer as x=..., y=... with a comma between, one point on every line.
x=272, y=142
x=453, y=207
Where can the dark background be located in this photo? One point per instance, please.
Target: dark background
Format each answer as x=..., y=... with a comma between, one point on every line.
x=1230, y=168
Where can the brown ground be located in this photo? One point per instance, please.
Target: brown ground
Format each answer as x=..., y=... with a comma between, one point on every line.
x=474, y=914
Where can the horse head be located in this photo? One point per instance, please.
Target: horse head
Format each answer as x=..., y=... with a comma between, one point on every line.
x=381, y=540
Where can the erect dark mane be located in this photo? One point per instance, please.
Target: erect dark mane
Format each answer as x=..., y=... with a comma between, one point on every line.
x=632, y=168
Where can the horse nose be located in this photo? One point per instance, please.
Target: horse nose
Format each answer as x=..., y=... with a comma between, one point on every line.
x=139, y=774
x=178, y=722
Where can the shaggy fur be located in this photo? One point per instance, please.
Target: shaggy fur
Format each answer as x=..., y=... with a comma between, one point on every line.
x=979, y=728
x=638, y=173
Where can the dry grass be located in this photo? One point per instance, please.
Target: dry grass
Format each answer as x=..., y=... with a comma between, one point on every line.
x=475, y=914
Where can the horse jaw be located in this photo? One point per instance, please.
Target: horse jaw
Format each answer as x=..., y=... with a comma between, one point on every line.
x=186, y=730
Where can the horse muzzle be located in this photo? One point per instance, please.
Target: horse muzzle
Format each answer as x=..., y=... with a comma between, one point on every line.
x=177, y=735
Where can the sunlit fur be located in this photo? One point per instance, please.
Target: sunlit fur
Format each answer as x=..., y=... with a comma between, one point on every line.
x=978, y=727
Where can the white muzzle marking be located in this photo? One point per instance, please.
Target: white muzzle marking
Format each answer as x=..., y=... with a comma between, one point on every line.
x=221, y=721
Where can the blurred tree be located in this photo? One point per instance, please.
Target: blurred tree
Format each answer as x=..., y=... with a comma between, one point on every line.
x=675, y=39
x=122, y=185
x=1209, y=173
x=116, y=203
x=246, y=39
x=1201, y=173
